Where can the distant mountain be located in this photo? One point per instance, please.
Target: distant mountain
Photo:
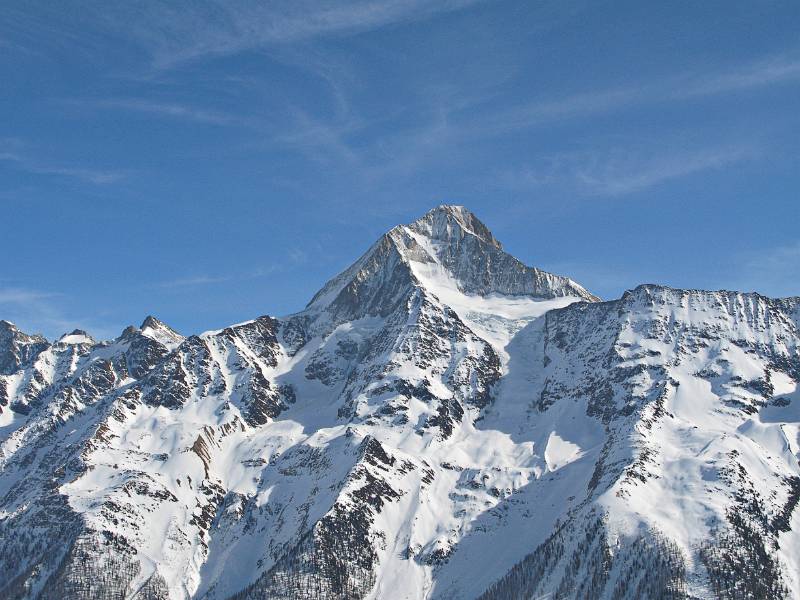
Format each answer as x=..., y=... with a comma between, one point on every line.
x=441, y=421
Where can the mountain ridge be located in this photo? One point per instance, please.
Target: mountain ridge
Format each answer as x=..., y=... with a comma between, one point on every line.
x=440, y=421
x=451, y=226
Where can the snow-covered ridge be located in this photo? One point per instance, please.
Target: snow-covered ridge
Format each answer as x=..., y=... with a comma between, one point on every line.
x=454, y=241
x=441, y=421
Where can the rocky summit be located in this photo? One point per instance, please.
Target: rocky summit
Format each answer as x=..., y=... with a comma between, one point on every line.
x=441, y=421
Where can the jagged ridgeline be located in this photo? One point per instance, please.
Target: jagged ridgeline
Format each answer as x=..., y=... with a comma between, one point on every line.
x=441, y=421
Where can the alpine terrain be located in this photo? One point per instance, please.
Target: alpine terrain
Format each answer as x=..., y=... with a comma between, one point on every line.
x=441, y=421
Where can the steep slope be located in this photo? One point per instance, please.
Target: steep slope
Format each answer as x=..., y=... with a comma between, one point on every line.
x=17, y=348
x=57, y=401
x=694, y=490
x=449, y=244
x=439, y=422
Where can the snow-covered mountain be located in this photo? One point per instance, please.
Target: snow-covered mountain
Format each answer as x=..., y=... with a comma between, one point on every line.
x=441, y=421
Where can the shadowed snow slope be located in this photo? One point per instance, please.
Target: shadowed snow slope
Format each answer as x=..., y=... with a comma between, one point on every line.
x=441, y=421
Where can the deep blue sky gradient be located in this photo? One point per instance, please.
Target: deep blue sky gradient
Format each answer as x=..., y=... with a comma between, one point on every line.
x=209, y=163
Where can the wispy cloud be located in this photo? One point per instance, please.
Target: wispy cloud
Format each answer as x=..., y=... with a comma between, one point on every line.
x=206, y=279
x=322, y=141
x=617, y=173
x=94, y=176
x=442, y=129
x=23, y=296
x=773, y=70
x=193, y=281
x=445, y=128
x=297, y=256
x=172, y=110
x=631, y=174
x=577, y=105
x=344, y=138
x=173, y=33
x=24, y=162
x=452, y=125
x=765, y=72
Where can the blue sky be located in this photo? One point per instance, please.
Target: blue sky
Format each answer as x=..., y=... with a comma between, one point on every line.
x=211, y=162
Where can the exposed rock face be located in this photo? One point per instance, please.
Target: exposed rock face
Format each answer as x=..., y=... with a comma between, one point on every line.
x=441, y=421
x=466, y=248
x=17, y=348
x=449, y=237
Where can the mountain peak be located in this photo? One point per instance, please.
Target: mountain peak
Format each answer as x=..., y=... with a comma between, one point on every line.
x=152, y=322
x=17, y=347
x=450, y=222
x=160, y=331
x=455, y=239
x=129, y=331
x=11, y=333
x=77, y=336
x=448, y=244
